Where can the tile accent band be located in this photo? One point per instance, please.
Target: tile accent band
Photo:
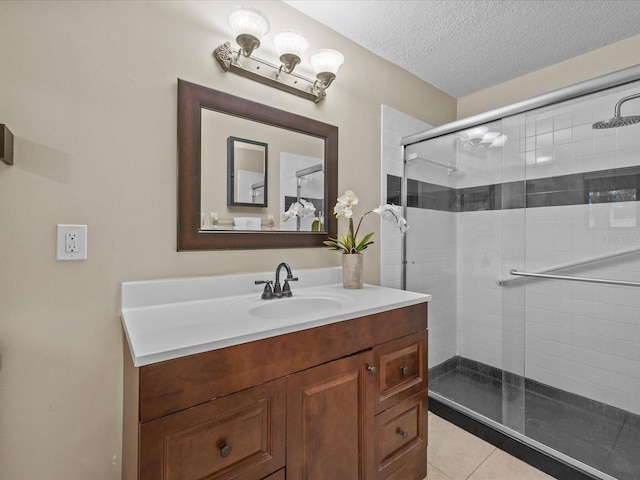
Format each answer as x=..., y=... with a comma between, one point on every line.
x=602, y=186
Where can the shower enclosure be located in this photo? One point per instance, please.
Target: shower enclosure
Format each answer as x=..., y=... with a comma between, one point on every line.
x=525, y=228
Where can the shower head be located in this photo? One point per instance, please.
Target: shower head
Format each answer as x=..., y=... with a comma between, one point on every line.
x=618, y=120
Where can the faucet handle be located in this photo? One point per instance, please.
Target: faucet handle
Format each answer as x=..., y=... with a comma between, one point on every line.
x=267, y=293
x=286, y=288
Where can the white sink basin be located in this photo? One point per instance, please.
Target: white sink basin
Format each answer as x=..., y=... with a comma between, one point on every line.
x=284, y=308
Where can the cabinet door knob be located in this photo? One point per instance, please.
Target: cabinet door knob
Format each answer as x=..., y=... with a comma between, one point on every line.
x=372, y=369
x=404, y=370
x=403, y=434
x=225, y=450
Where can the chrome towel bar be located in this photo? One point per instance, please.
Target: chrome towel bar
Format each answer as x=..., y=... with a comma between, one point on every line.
x=573, y=263
x=576, y=279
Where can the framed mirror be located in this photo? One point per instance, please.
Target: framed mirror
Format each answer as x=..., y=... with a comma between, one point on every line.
x=302, y=168
x=247, y=179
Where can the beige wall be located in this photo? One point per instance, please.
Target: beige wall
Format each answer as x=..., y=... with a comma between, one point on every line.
x=598, y=62
x=89, y=91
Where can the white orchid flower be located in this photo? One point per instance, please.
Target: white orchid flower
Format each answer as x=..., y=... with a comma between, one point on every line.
x=293, y=211
x=392, y=213
x=388, y=212
x=342, y=210
x=349, y=198
x=344, y=207
x=299, y=209
x=307, y=208
x=402, y=225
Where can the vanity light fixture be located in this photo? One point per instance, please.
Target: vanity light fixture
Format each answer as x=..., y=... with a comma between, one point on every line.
x=249, y=26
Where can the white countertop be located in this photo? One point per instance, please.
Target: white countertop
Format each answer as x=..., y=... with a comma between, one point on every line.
x=167, y=319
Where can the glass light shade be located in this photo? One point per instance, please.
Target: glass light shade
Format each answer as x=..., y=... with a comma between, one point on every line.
x=476, y=133
x=290, y=43
x=327, y=61
x=248, y=21
x=499, y=141
x=490, y=137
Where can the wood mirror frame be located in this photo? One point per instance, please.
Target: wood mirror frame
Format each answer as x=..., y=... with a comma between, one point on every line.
x=192, y=99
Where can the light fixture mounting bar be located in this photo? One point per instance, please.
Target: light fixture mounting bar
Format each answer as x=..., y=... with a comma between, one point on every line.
x=266, y=73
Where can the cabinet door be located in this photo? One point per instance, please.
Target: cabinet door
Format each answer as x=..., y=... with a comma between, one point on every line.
x=402, y=369
x=330, y=421
x=240, y=436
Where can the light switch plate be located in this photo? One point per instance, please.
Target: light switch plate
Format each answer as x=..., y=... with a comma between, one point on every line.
x=72, y=242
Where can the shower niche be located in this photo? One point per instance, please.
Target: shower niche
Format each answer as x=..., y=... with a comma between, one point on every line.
x=526, y=231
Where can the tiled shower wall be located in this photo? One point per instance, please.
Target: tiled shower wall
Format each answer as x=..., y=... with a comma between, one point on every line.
x=581, y=189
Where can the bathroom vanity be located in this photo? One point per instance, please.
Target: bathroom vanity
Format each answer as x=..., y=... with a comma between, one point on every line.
x=339, y=392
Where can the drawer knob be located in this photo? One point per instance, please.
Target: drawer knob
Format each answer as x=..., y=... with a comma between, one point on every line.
x=404, y=370
x=372, y=369
x=225, y=450
x=403, y=434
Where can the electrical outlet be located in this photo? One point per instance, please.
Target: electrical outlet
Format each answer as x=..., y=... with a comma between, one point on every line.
x=72, y=242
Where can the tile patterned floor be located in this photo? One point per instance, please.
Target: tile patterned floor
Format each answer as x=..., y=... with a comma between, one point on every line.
x=455, y=454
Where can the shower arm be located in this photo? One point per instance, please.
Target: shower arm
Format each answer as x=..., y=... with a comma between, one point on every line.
x=621, y=101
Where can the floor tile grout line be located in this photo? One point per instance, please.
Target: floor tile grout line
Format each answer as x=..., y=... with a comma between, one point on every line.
x=433, y=466
x=482, y=462
x=615, y=442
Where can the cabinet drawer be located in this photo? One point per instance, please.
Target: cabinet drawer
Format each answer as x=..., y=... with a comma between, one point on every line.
x=402, y=369
x=401, y=435
x=238, y=436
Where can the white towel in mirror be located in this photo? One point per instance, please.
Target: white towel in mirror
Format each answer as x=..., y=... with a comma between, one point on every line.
x=246, y=223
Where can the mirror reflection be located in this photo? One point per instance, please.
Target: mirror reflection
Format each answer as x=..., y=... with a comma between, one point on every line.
x=246, y=172
x=289, y=164
x=302, y=184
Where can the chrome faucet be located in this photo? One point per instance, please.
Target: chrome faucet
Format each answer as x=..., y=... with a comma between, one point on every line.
x=278, y=291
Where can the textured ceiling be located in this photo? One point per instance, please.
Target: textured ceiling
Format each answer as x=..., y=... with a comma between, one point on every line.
x=462, y=46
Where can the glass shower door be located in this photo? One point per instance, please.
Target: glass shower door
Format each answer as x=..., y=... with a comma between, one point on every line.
x=456, y=186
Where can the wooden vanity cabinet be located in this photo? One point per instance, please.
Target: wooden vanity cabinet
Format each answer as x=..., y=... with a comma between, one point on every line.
x=342, y=401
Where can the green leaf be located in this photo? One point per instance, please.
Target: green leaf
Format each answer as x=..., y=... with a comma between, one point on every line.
x=365, y=242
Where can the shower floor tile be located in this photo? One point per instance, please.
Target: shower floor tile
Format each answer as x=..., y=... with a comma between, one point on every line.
x=623, y=461
x=570, y=430
x=481, y=393
x=598, y=435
